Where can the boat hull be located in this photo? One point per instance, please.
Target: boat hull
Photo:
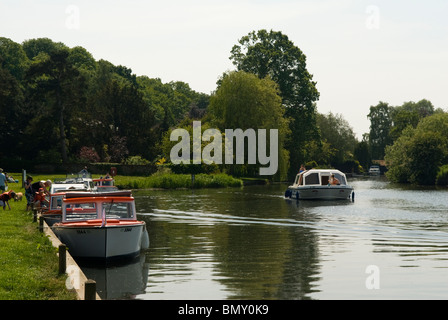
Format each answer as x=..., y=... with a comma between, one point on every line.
x=107, y=242
x=320, y=192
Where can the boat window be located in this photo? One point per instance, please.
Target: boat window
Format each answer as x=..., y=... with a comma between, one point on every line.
x=341, y=178
x=56, y=202
x=312, y=178
x=119, y=210
x=80, y=211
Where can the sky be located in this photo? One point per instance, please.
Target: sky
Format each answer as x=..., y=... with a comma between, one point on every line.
x=359, y=52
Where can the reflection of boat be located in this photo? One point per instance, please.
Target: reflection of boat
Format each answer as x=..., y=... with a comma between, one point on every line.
x=120, y=281
x=374, y=170
x=101, y=225
x=104, y=184
x=316, y=184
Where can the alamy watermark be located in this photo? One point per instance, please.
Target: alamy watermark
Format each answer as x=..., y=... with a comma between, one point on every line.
x=373, y=18
x=373, y=280
x=212, y=153
x=72, y=22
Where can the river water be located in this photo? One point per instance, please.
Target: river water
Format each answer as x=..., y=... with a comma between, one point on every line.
x=252, y=243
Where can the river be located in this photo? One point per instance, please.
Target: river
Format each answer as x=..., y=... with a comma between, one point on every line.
x=252, y=243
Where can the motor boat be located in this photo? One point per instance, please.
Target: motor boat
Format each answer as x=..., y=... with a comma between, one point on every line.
x=101, y=225
x=320, y=184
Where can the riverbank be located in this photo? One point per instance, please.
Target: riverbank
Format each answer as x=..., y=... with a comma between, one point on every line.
x=28, y=261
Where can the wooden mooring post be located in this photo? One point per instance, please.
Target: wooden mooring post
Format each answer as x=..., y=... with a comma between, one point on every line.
x=62, y=258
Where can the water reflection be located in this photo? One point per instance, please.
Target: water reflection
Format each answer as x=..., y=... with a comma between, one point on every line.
x=251, y=243
x=123, y=281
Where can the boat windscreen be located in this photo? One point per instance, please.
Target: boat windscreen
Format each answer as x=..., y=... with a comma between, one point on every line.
x=119, y=210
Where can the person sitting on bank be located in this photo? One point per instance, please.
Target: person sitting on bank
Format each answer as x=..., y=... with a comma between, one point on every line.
x=334, y=181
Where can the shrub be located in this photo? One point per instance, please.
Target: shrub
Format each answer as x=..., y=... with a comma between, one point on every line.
x=442, y=176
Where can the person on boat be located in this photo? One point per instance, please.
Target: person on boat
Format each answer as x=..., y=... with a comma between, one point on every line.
x=334, y=181
x=5, y=197
x=40, y=200
x=29, y=193
x=302, y=168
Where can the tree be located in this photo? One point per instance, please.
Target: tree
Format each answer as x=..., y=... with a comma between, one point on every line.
x=380, y=126
x=273, y=54
x=13, y=58
x=243, y=101
x=409, y=114
x=417, y=154
x=60, y=88
x=336, y=131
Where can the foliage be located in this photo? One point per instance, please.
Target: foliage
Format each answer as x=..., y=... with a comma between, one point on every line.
x=418, y=153
x=176, y=181
x=272, y=54
x=59, y=99
x=136, y=160
x=88, y=154
x=442, y=176
x=243, y=101
x=337, y=133
x=380, y=124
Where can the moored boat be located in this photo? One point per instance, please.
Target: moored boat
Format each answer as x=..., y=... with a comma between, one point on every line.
x=104, y=184
x=320, y=184
x=101, y=226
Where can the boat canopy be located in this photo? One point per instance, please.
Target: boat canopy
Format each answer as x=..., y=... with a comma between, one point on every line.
x=319, y=177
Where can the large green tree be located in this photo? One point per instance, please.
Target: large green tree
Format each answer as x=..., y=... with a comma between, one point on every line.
x=272, y=54
x=57, y=90
x=418, y=153
x=243, y=101
x=380, y=126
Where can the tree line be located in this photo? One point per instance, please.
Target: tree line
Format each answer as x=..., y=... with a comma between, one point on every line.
x=59, y=104
x=413, y=139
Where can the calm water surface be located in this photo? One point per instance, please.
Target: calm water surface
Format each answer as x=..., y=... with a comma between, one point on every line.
x=251, y=243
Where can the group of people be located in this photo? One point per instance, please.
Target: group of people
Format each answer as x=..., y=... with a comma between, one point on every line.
x=36, y=193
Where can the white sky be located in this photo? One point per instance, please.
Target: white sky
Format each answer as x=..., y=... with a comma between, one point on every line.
x=359, y=52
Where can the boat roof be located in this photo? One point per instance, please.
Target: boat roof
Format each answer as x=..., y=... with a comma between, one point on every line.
x=120, y=195
x=323, y=171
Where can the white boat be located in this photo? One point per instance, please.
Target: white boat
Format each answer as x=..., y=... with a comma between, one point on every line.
x=104, y=184
x=101, y=226
x=374, y=170
x=316, y=184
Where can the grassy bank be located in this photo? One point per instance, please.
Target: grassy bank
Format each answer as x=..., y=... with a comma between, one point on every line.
x=176, y=181
x=161, y=180
x=28, y=261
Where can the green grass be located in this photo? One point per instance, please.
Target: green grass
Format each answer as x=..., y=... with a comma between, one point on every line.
x=160, y=180
x=28, y=261
x=177, y=181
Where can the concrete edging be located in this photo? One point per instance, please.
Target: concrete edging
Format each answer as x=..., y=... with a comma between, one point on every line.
x=85, y=288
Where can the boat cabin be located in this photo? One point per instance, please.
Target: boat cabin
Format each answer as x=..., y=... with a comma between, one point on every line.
x=86, y=206
x=315, y=177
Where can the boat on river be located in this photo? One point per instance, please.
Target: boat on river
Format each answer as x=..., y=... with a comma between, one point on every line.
x=320, y=184
x=104, y=184
x=101, y=225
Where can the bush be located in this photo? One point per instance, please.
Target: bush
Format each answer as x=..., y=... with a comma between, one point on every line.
x=442, y=176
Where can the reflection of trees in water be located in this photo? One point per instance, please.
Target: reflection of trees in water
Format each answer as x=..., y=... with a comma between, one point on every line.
x=258, y=248
x=271, y=260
